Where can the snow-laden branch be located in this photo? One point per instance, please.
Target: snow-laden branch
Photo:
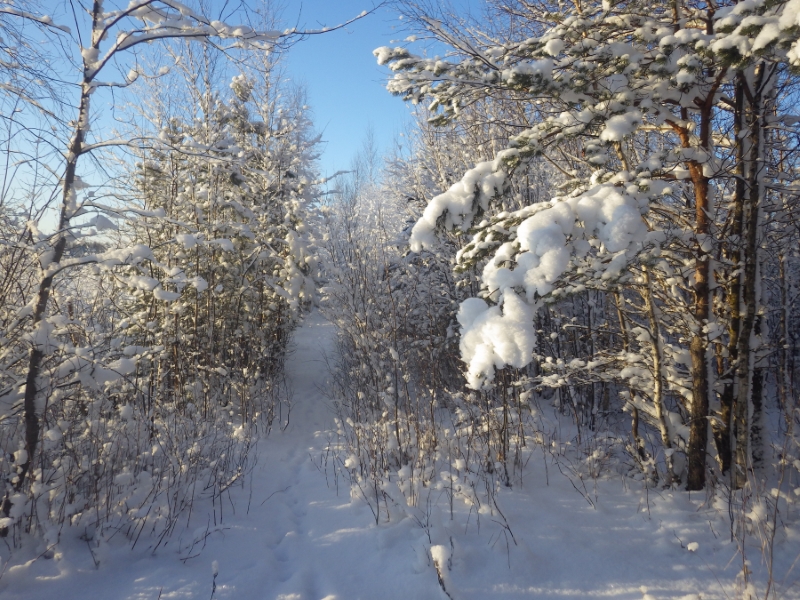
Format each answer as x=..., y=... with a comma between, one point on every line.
x=44, y=20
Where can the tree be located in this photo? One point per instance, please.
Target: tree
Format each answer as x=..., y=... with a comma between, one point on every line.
x=233, y=257
x=632, y=102
x=68, y=359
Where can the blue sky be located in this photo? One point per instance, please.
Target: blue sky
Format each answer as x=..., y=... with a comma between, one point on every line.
x=346, y=87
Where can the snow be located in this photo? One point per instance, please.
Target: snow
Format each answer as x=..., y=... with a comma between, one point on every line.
x=161, y=294
x=101, y=223
x=126, y=412
x=440, y=555
x=456, y=206
x=492, y=339
x=293, y=531
x=554, y=47
x=620, y=126
x=542, y=252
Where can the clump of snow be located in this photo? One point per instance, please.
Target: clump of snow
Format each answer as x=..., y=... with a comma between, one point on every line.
x=546, y=241
x=384, y=54
x=456, y=207
x=126, y=412
x=440, y=555
x=619, y=127
x=492, y=338
x=187, y=240
x=554, y=47
x=160, y=293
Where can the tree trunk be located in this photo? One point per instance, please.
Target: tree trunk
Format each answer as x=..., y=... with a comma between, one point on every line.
x=698, y=425
x=723, y=431
x=745, y=359
x=658, y=380
x=68, y=209
x=638, y=442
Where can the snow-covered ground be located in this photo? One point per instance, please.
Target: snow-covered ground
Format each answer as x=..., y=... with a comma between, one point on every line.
x=293, y=533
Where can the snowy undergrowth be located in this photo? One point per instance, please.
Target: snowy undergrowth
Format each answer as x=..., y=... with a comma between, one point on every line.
x=515, y=481
x=557, y=503
x=293, y=529
x=135, y=477
x=472, y=469
x=487, y=476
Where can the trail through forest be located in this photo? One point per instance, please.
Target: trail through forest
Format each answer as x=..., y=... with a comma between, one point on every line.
x=292, y=533
x=288, y=534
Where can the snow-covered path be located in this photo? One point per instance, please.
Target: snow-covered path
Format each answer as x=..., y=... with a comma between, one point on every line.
x=292, y=534
x=299, y=539
x=303, y=540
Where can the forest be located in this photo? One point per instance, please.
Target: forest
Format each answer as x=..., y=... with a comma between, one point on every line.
x=577, y=269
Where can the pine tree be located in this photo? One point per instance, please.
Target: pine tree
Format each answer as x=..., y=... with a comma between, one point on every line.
x=633, y=103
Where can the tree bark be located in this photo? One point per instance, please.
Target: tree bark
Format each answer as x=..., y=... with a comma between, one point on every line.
x=658, y=380
x=68, y=208
x=698, y=425
x=723, y=431
x=745, y=359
